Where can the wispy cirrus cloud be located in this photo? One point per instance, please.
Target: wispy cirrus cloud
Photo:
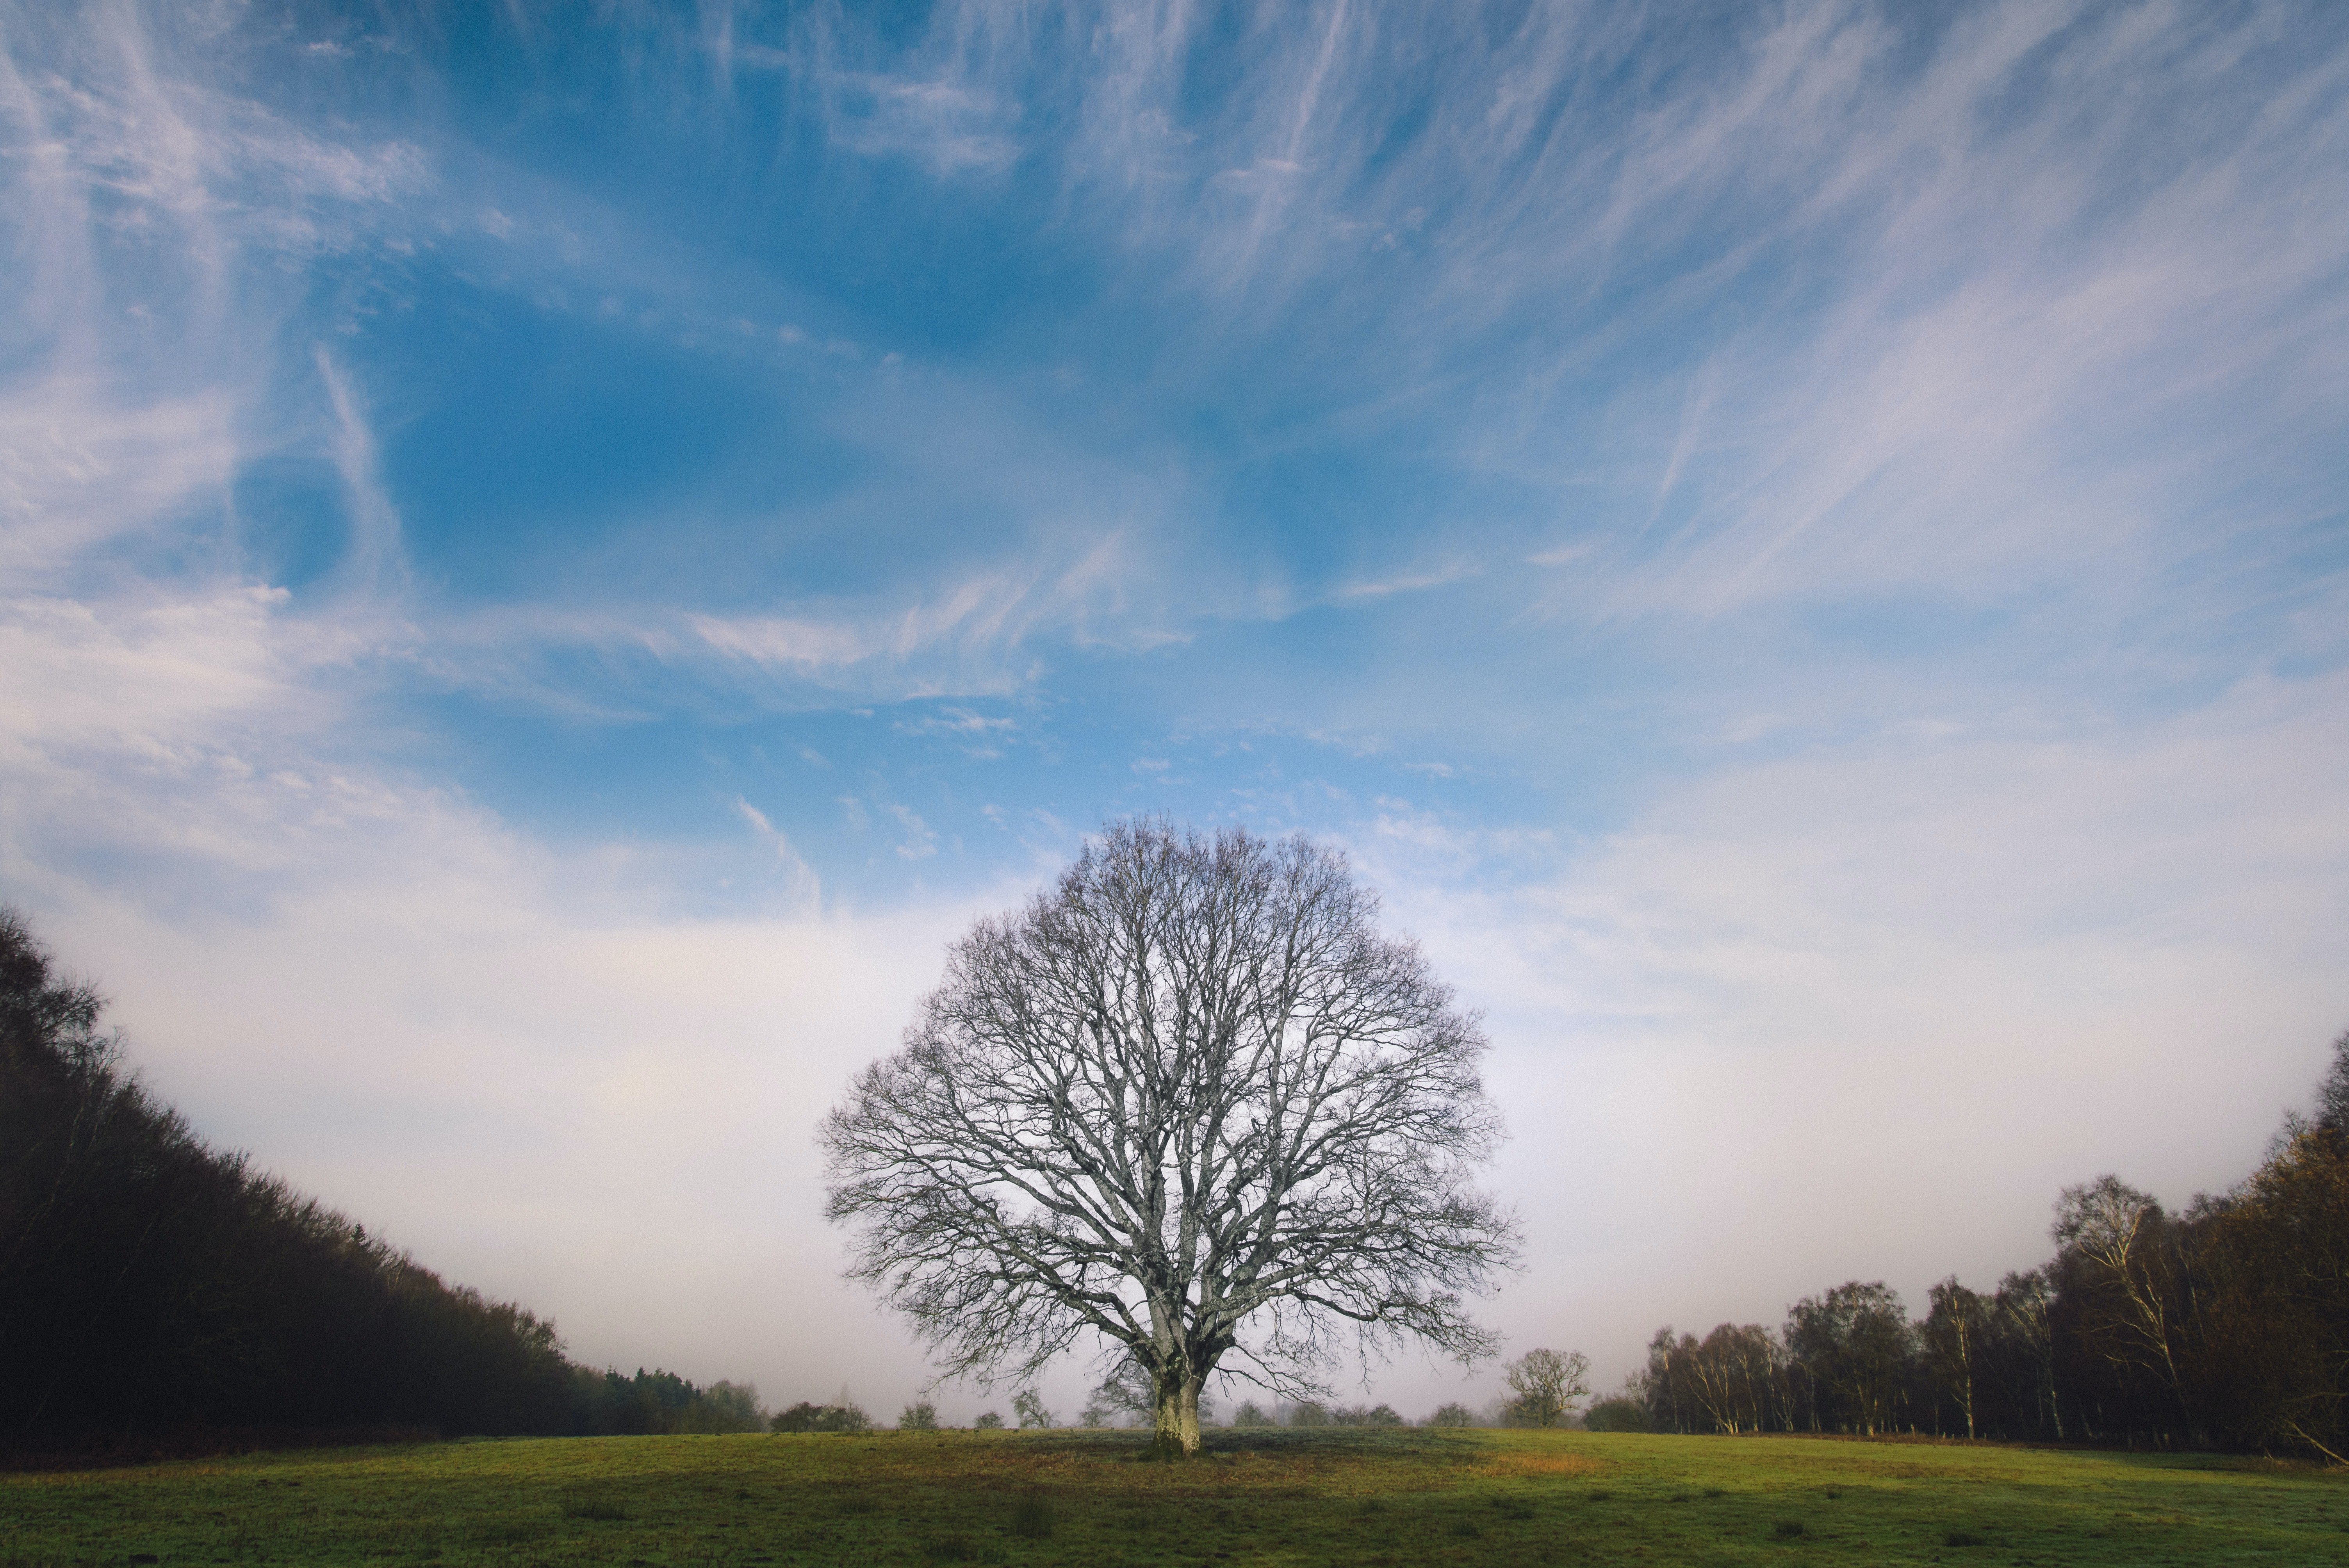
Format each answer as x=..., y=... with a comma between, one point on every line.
x=378, y=562
x=970, y=636
x=1418, y=581
x=1962, y=309
x=951, y=128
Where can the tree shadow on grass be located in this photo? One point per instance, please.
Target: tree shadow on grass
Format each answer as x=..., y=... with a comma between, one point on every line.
x=1226, y=1442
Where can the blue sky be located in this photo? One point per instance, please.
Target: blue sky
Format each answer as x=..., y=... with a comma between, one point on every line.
x=555, y=555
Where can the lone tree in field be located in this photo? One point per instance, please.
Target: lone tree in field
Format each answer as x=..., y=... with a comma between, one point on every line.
x=1546, y=1385
x=1188, y=1100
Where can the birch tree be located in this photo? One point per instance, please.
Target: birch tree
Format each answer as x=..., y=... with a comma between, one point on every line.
x=1189, y=1107
x=1953, y=1332
x=2019, y=1320
x=1856, y=1340
x=2119, y=1246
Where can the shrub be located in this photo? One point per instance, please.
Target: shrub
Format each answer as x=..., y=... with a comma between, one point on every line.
x=1365, y=1416
x=989, y=1421
x=804, y=1416
x=599, y=1505
x=921, y=1416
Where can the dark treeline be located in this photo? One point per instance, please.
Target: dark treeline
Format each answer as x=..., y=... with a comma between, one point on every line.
x=150, y=1283
x=2226, y=1326
x=606, y=1403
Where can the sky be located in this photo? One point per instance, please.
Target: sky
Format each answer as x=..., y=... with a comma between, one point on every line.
x=552, y=557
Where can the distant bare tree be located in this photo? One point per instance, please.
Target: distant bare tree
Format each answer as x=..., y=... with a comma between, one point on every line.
x=1546, y=1385
x=1127, y=1394
x=1192, y=1102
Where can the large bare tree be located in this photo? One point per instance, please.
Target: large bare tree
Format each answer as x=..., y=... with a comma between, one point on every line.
x=1187, y=1105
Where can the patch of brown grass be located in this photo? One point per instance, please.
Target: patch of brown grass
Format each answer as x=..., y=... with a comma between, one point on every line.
x=1518, y=1462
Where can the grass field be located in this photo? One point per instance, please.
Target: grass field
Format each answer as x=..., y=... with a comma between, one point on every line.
x=1271, y=1498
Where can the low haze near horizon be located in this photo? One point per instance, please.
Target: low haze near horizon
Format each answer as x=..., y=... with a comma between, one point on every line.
x=550, y=559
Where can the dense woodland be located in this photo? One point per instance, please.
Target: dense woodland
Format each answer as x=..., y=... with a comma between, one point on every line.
x=2227, y=1325
x=150, y=1283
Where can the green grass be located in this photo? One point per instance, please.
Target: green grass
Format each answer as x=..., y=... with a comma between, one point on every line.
x=1372, y=1499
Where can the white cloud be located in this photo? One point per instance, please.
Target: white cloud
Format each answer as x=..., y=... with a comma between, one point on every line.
x=155, y=675
x=934, y=105
x=805, y=646
x=965, y=638
x=949, y=126
x=78, y=467
x=805, y=889
x=376, y=559
x=1418, y=581
x=919, y=840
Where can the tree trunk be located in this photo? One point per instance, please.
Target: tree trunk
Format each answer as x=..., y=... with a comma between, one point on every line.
x=1177, y=1433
